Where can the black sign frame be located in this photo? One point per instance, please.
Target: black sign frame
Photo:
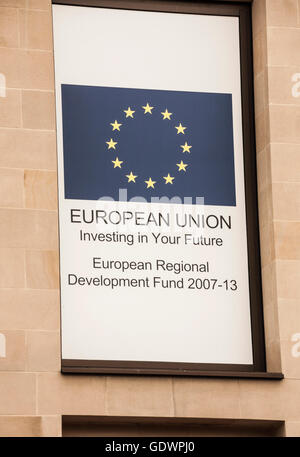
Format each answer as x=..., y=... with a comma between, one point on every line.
x=242, y=10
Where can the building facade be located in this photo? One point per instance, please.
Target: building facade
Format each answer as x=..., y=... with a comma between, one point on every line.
x=36, y=399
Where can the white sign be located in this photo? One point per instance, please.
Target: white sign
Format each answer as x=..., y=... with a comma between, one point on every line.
x=149, y=106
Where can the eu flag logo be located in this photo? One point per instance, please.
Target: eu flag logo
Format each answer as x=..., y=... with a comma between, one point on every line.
x=153, y=143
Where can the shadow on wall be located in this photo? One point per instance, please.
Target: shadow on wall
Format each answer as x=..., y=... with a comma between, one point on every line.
x=150, y=426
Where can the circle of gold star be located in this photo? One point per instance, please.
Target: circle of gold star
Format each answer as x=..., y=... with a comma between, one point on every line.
x=169, y=179
x=180, y=128
x=115, y=125
x=186, y=147
x=129, y=112
x=117, y=163
x=111, y=144
x=182, y=166
x=166, y=114
x=131, y=177
x=147, y=109
x=150, y=183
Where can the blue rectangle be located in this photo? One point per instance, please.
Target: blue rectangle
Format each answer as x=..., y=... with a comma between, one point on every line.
x=153, y=143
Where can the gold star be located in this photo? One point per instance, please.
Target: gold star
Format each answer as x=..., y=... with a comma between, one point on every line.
x=166, y=114
x=180, y=129
x=168, y=179
x=150, y=183
x=129, y=112
x=131, y=177
x=111, y=144
x=147, y=109
x=117, y=163
x=182, y=166
x=115, y=125
x=186, y=147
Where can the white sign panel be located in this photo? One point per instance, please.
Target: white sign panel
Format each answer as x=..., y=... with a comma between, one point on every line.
x=153, y=236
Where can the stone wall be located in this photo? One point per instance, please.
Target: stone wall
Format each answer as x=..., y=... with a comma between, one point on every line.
x=33, y=393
